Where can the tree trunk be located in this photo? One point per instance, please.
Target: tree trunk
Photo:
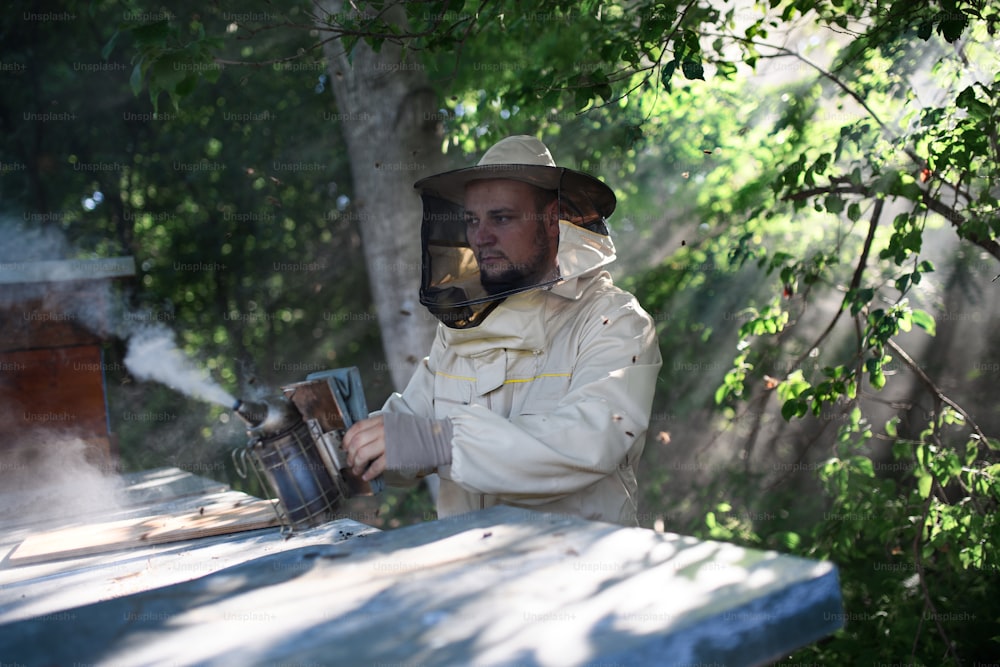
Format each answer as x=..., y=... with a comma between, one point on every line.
x=388, y=114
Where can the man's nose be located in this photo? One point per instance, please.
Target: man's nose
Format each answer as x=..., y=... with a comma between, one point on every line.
x=482, y=235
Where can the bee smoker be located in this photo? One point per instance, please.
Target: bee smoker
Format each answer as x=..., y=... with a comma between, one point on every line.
x=294, y=446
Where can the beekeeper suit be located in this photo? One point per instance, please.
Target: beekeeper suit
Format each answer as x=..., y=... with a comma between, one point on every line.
x=539, y=384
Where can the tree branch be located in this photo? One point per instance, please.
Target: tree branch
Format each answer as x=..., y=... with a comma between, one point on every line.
x=918, y=562
x=859, y=270
x=934, y=389
x=844, y=187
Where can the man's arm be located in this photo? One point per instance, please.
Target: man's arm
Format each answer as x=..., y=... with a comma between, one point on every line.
x=365, y=442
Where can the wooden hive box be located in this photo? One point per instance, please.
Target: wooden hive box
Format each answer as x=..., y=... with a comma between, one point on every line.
x=54, y=317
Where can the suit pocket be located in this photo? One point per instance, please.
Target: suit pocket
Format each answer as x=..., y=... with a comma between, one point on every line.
x=450, y=392
x=542, y=394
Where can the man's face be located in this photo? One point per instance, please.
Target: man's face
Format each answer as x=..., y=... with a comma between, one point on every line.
x=513, y=232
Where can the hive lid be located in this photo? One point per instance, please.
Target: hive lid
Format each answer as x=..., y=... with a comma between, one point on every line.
x=59, y=270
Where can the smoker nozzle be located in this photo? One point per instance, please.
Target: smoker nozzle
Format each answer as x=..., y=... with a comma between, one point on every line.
x=268, y=418
x=252, y=413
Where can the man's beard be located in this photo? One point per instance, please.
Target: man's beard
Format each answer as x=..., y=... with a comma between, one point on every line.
x=521, y=276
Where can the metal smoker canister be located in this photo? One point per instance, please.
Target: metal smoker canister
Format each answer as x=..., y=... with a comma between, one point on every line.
x=294, y=447
x=293, y=469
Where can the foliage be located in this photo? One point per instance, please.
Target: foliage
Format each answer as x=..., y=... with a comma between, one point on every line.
x=909, y=532
x=239, y=220
x=804, y=201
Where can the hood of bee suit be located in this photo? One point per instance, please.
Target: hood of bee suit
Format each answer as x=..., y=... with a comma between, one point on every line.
x=450, y=285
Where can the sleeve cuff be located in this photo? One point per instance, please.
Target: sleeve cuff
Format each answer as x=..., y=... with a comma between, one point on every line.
x=415, y=445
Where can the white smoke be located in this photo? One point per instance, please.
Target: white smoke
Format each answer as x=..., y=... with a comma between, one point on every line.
x=49, y=476
x=153, y=355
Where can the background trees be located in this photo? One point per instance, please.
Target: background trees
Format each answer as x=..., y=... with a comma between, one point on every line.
x=808, y=208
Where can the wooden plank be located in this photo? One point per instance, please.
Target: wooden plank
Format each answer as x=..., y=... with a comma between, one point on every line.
x=218, y=514
x=503, y=586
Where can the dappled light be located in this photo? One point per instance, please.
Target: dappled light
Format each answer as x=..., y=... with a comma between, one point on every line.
x=807, y=209
x=507, y=585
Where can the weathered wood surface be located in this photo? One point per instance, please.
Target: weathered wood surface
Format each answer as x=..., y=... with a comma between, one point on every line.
x=499, y=587
x=206, y=516
x=159, y=484
x=96, y=523
x=53, y=590
x=48, y=589
x=59, y=391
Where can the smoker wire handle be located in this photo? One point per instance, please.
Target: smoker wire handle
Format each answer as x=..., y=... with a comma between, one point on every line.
x=240, y=463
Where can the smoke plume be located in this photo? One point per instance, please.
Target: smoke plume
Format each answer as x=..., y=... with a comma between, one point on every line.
x=48, y=476
x=153, y=355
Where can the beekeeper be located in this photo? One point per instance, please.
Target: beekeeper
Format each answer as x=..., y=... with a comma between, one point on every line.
x=539, y=384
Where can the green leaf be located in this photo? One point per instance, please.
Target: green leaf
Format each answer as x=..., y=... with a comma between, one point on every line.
x=168, y=72
x=186, y=86
x=693, y=69
x=924, y=485
x=211, y=75
x=135, y=81
x=860, y=299
x=725, y=70
x=924, y=320
x=109, y=47
x=854, y=212
x=953, y=28
x=789, y=539
x=977, y=109
x=152, y=34
x=667, y=72
x=971, y=452
x=793, y=407
x=793, y=385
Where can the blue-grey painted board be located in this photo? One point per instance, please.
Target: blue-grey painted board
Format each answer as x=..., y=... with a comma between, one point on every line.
x=503, y=586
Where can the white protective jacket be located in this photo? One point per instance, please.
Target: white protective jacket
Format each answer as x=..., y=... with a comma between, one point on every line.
x=549, y=397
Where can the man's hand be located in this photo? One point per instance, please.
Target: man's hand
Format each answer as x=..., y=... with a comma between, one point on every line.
x=364, y=443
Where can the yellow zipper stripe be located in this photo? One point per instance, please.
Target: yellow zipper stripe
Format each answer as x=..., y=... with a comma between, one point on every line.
x=543, y=375
x=512, y=381
x=454, y=377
